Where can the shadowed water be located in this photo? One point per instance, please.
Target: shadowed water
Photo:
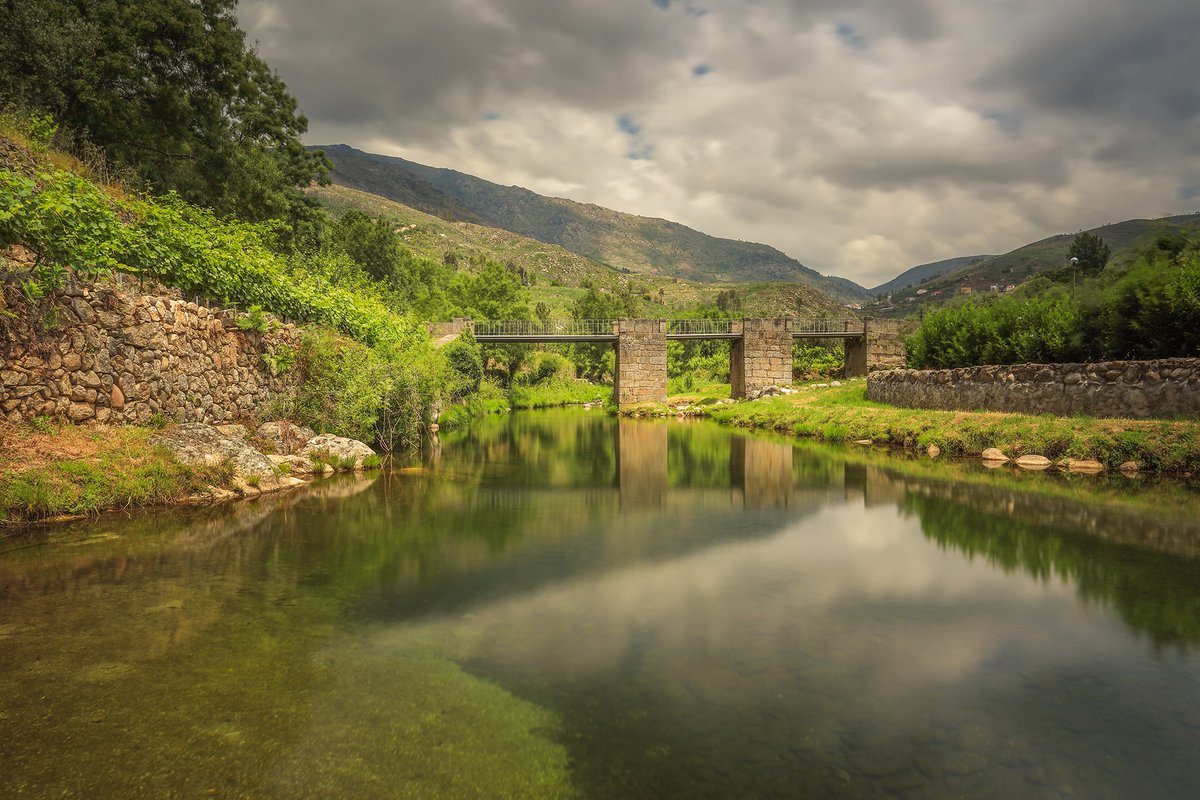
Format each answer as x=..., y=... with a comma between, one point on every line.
x=564, y=605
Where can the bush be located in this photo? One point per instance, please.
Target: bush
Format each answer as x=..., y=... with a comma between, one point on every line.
x=465, y=366
x=376, y=395
x=68, y=221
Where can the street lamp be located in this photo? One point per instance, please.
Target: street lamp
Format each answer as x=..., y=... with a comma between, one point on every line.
x=1074, y=263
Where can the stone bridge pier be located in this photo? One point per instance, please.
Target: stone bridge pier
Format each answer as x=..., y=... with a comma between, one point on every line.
x=880, y=347
x=762, y=357
x=641, y=373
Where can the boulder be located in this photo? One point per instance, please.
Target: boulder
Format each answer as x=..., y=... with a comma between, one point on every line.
x=282, y=437
x=1033, y=462
x=198, y=444
x=1130, y=467
x=1085, y=465
x=296, y=465
x=994, y=454
x=336, y=447
x=233, y=430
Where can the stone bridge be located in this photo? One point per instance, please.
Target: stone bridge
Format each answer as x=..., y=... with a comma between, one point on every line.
x=760, y=351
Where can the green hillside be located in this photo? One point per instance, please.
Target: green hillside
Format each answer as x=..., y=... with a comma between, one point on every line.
x=556, y=276
x=1017, y=266
x=627, y=242
x=924, y=273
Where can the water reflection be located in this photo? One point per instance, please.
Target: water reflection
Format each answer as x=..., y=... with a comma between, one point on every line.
x=559, y=604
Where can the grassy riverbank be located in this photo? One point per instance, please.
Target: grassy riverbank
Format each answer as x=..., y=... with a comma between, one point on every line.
x=49, y=470
x=843, y=414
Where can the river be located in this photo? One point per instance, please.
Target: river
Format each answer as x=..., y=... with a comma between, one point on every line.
x=561, y=604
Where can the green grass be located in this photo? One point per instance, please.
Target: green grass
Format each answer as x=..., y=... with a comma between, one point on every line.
x=102, y=469
x=490, y=399
x=558, y=391
x=843, y=413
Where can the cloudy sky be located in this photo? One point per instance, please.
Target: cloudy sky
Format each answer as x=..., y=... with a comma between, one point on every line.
x=860, y=136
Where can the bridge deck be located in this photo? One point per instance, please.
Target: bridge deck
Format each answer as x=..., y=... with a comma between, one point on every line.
x=606, y=330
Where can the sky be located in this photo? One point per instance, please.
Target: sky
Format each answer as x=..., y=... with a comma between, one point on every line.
x=861, y=137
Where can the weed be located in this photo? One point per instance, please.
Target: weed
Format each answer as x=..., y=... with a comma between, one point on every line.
x=253, y=480
x=42, y=424
x=255, y=320
x=347, y=463
x=157, y=420
x=372, y=462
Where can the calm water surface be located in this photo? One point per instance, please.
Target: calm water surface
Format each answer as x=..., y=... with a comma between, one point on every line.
x=563, y=605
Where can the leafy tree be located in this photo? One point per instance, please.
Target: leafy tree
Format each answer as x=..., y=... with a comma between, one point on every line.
x=1092, y=252
x=593, y=361
x=465, y=361
x=168, y=88
x=372, y=243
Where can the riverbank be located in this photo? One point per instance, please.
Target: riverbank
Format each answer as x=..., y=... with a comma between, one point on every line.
x=51, y=471
x=843, y=414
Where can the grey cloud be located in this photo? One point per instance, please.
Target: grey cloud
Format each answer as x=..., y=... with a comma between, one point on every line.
x=421, y=66
x=1130, y=59
x=955, y=126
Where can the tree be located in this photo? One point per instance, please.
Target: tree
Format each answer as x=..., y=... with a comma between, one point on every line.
x=594, y=361
x=372, y=243
x=1092, y=252
x=169, y=89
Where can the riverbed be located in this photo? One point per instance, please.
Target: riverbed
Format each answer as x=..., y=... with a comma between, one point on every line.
x=563, y=604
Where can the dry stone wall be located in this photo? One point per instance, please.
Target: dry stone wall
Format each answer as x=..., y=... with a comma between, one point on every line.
x=102, y=353
x=1131, y=389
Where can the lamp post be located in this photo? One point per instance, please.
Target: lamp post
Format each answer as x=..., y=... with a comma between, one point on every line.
x=1074, y=264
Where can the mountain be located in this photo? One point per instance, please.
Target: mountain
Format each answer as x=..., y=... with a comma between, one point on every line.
x=558, y=277
x=924, y=272
x=1017, y=266
x=626, y=242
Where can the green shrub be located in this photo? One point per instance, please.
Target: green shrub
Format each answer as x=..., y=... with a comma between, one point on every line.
x=465, y=364
x=255, y=320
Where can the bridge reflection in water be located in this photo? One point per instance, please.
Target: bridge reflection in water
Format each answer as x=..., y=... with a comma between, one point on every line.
x=759, y=471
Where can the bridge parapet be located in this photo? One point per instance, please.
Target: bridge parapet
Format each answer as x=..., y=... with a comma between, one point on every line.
x=545, y=330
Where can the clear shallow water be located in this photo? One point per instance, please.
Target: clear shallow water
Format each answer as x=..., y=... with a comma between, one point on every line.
x=561, y=605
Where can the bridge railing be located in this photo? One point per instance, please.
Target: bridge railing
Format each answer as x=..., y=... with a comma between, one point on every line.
x=554, y=327
x=827, y=326
x=699, y=327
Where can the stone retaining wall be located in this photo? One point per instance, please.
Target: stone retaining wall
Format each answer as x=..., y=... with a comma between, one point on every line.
x=1132, y=389
x=106, y=354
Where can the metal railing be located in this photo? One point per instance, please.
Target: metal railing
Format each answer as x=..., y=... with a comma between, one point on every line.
x=676, y=328
x=700, y=327
x=549, y=328
x=823, y=326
